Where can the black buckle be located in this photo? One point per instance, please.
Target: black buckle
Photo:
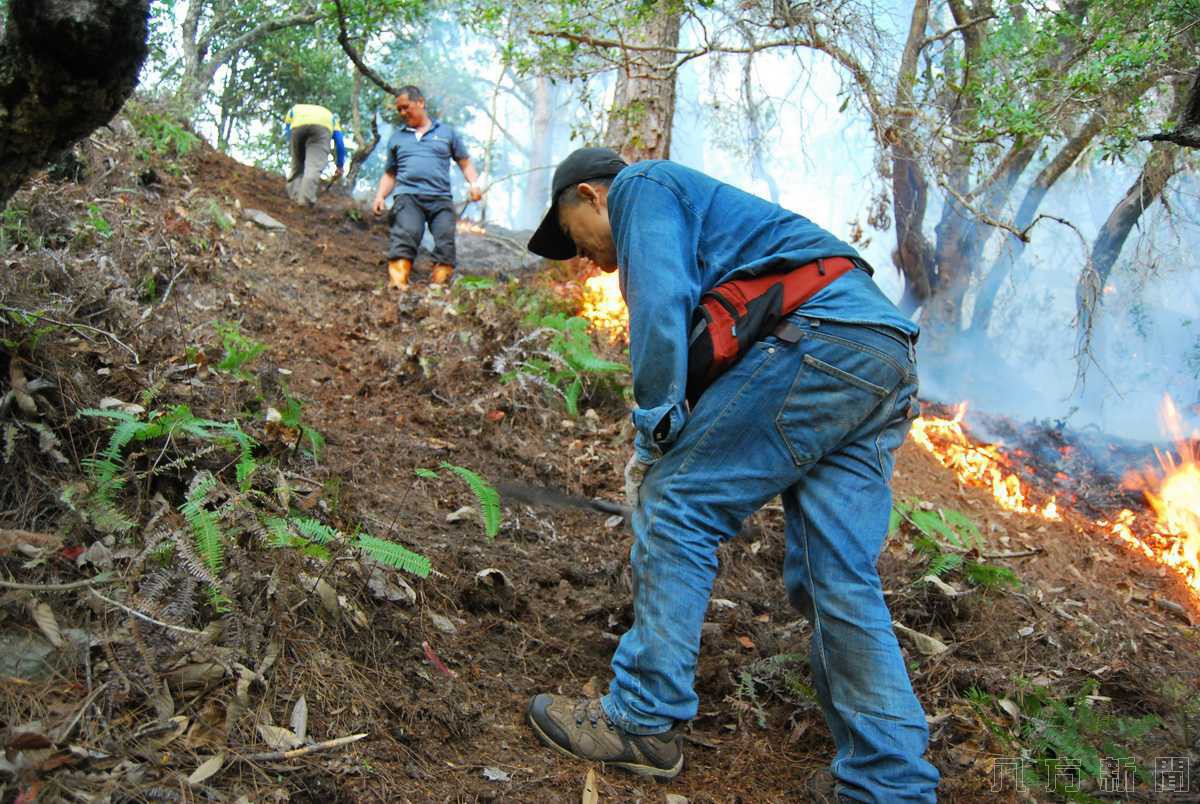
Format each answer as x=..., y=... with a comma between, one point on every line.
x=788, y=332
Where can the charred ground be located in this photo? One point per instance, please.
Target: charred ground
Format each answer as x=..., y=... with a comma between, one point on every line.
x=135, y=266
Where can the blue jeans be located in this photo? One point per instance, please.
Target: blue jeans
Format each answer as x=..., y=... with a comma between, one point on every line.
x=817, y=421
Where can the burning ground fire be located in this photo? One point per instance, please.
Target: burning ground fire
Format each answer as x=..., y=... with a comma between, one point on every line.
x=1171, y=490
x=603, y=306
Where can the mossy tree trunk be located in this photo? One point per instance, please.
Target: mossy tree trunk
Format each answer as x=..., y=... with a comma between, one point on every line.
x=643, y=107
x=66, y=67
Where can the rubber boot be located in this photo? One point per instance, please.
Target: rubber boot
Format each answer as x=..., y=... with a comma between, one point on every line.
x=398, y=271
x=441, y=273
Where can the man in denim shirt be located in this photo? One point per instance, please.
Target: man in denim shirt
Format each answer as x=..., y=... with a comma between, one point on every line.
x=813, y=413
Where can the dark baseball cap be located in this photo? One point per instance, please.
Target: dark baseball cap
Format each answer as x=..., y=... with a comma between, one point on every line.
x=584, y=164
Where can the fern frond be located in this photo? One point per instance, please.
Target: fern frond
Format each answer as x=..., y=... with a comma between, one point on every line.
x=943, y=563
x=204, y=523
x=117, y=415
x=186, y=551
x=393, y=555
x=314, y=531
x=10, y=441
x=281, y=534
x=489, y=498
x=572, y=397
x=151, y=393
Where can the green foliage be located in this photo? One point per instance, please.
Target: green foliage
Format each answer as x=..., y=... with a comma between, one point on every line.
x=163, y=135
x=290, y=416
x=314, y=538
x=488, y=497
x=947, y=540
x=14, y=229
x=428, y=474
x=475, y=283
x=204, y=523
x=97, y=223
x=29, y=330
x=393, y=555
x=1073, y=728
x=211, y=211
x=570, y=360
x=105, y=471
x=239, y=350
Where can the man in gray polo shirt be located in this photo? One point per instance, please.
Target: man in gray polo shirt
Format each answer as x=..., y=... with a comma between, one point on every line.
x=417, y=179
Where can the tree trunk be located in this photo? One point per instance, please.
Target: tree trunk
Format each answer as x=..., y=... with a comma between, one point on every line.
x=66, y=67
x=201, y=62
x=910, y=189
x=228, y=100
x=361, y=156
x=985, y=300
x=365, y=149
x=643, y=108
x=535, y=195
x=1159, y=167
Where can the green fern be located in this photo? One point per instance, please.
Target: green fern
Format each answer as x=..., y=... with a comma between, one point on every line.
x=314, y=531
x=311, y=538
x=239, y=350
x=488, y=497
x=943, y=563
x=990, y=576
x=283, y=536
x=204, y=523
x=428, y=474
x=393, y=555
x=291, y=416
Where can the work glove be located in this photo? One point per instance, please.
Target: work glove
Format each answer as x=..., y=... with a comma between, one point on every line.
x=635, y=473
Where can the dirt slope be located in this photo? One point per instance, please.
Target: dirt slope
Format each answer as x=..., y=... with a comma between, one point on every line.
x=440, y=685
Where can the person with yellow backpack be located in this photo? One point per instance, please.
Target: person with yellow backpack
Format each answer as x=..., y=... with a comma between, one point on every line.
x=310, y=129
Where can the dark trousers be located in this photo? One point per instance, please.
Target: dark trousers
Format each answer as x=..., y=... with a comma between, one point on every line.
x=409, y=215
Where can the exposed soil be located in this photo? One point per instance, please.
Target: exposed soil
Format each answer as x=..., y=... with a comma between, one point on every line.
x=440, y=686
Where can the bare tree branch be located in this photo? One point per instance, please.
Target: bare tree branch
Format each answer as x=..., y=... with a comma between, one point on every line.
x=344, y=41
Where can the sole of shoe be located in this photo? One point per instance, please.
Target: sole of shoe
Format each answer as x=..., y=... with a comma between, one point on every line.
x=650, y=771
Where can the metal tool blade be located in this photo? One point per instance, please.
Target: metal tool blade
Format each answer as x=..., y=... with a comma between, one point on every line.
x=546, y=497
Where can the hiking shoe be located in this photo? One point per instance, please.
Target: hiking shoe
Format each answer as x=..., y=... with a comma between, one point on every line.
x=578, y=727
x=822, y=789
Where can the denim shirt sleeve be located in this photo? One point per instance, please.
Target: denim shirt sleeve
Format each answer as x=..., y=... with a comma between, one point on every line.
x=656, y=233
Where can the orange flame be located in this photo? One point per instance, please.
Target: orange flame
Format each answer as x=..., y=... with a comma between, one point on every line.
x=471, y=226
x=1173, y=492
x=977, y=464
x=604, y=307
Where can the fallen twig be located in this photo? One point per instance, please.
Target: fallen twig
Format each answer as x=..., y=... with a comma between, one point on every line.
x=1033, y=551
x=437, y=662
x=146, y=617
x=104, y=577
x=76, y=326
x=328, y=745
